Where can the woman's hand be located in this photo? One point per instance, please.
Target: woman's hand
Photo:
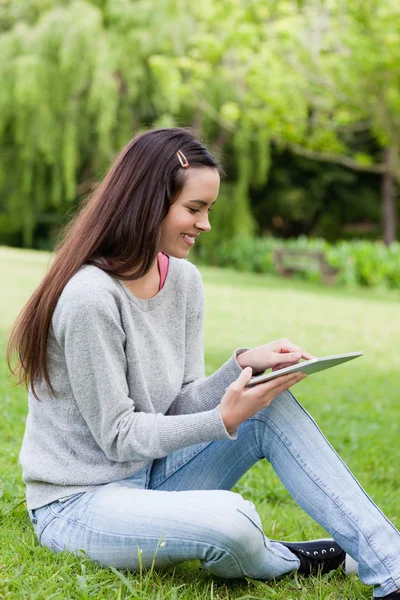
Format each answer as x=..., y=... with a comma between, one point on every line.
x=240, y=403
x=275, y=355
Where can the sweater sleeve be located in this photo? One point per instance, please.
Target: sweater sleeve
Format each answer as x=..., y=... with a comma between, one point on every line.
x=199, y=393
x=90, y=333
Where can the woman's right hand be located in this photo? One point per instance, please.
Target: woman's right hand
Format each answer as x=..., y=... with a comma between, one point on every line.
x=240, y=403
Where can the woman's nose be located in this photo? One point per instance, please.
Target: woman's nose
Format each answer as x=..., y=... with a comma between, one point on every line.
x=203, y=224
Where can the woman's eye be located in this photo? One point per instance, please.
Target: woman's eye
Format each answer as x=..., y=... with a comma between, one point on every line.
x=197, y=210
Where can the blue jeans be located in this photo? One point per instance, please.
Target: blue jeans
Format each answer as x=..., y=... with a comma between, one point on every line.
x=180, y=507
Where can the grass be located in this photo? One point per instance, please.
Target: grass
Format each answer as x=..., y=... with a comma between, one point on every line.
x=356, y=406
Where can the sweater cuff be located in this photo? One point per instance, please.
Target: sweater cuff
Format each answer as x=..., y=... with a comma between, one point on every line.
x=233, y=435
x=236, y=354
x=191, y=429
x=215, y=385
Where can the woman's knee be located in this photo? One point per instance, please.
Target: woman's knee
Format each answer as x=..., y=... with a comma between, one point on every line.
x=240, y=528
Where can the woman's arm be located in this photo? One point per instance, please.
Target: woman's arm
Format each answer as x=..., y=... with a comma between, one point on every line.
x=200, y=393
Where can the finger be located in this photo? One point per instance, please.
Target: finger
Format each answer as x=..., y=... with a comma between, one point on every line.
x=242, y=380
x=283, y=381
x=302, y=353
x=290, y=357
x=306, y=355
x=282, y=366
x=289, y=382
x=288, y=346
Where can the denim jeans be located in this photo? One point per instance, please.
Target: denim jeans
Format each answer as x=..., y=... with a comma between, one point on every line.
x=180, y=507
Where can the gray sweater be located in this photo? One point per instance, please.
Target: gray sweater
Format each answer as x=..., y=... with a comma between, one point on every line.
x=129, y=380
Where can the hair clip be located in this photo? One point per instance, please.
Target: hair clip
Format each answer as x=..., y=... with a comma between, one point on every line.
x=182, y=159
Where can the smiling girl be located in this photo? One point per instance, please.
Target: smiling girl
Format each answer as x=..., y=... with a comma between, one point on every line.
x=130, y=452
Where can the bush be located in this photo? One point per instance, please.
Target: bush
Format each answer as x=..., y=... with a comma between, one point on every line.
x=363, y=263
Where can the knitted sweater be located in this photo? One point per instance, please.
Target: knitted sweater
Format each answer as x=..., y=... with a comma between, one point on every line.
x=129, y=380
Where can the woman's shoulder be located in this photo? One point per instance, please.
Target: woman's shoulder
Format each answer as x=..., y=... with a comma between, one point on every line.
x=90, y=285
x=186, y=270
x=90, y=301
x=187, y=281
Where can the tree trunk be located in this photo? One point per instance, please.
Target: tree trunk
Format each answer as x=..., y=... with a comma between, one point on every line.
x=389, y=216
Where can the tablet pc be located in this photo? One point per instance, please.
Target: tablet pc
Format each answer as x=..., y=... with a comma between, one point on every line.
x=307, y=366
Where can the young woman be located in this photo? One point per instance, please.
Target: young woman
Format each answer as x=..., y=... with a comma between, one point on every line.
x=130, y=452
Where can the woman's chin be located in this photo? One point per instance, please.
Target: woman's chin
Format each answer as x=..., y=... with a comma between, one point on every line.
x=176, y=252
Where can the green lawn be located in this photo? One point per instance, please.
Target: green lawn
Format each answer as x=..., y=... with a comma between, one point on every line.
x=356, y=406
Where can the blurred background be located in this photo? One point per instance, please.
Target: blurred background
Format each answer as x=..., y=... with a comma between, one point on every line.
x=300, y=100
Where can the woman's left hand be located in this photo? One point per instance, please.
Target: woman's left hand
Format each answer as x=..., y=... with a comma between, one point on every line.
x=275, y=355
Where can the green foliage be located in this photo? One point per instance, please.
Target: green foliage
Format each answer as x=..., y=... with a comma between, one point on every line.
x=80, y=78
x=303, y=196
x=57, y=110
x=351, y=65
x=241, y=253
x=369, y=264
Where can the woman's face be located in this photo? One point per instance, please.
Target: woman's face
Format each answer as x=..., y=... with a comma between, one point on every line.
x=188, y=215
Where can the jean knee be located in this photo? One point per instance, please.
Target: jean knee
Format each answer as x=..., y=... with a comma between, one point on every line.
x=241, y=531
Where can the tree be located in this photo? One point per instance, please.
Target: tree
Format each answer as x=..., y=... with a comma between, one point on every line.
x=58, y=107
x=344, y=59
x=312, y=77
x=79, y=78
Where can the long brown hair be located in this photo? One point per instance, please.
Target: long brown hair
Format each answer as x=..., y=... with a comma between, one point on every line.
x=119, y=221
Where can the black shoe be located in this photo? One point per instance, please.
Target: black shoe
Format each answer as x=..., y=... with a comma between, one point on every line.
x=321, y=556
x=393, y=596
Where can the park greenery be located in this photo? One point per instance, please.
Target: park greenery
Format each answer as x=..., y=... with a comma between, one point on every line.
x=357, y=410
x=353, y=263
x=299, y=98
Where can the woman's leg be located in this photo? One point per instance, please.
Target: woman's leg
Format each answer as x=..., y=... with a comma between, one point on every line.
x=311, y=471
x=122, y=525
x=188, y=509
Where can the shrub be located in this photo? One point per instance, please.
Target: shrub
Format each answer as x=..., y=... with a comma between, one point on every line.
x=364, y=263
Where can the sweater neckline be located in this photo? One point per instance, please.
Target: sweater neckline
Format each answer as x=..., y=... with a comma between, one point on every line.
x=149, y=303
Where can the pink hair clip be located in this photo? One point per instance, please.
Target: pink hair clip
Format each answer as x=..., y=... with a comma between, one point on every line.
x=182, y=159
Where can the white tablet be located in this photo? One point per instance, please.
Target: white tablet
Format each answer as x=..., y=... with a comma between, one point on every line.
x=307, y=366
